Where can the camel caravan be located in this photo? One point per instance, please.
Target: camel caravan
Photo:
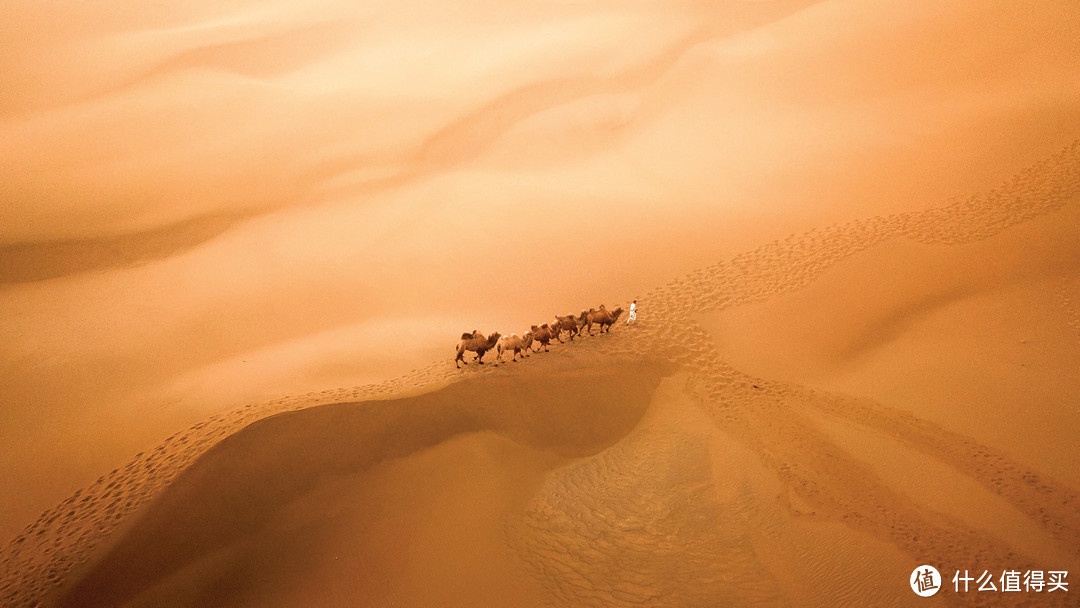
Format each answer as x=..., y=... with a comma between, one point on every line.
x=538, y=337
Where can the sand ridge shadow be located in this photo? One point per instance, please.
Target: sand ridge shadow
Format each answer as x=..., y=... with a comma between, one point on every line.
x=232, y=490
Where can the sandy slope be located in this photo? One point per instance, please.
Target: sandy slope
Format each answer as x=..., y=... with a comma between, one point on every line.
x=459, y=461
x=868, y=358
x=352, y=183
x=974, y=337
x=634, y=466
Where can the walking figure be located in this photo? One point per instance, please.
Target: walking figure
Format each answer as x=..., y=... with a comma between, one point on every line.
x=633, y=312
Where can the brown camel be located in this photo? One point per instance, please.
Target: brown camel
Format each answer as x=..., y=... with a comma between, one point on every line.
x=477, y=343
x=604, y=318
x=583, y=319
x=568, y=324
x=542, y=336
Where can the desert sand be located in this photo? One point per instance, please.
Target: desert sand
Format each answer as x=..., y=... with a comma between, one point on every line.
x=238, y=242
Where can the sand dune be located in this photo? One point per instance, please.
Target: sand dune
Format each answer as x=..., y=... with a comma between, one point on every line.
x=238, y=226
x=679, y=482
x=969, y=336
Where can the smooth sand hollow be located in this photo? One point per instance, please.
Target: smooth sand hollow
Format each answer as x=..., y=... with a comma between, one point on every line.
x=664, y=464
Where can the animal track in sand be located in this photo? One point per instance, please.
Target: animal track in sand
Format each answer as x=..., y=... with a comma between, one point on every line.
x=764, y=414
x=761, y=413
x=1068, y=292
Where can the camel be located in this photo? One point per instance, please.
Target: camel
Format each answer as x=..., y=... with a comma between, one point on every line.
x=604, y=318
x=583, y=319
x=512, y=342
x=477, y=343
x=526, y=343
x=567, y=323
x=542, y=335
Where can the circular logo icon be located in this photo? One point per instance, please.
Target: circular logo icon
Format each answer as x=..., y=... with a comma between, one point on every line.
x=925, y=581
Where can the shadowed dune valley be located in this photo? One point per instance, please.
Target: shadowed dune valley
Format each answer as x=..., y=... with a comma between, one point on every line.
x=554, y=304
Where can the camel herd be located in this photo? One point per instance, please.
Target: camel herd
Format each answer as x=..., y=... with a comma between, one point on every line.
x=538, y=337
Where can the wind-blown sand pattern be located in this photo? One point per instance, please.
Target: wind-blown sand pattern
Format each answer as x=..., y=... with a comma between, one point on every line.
x=645, y=499
x=867, y=360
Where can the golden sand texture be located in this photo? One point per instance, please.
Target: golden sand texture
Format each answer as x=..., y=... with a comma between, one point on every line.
x=677, y=500
x=223, y=203
x=228, y=230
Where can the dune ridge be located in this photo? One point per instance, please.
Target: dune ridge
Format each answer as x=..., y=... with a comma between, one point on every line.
x=37, y=260
x=358, y=436
x=762, y=414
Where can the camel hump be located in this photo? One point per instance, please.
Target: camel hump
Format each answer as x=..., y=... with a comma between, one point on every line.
x=466, y=336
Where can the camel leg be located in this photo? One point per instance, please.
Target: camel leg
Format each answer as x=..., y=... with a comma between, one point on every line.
x=480, y=356
x=460, y=357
